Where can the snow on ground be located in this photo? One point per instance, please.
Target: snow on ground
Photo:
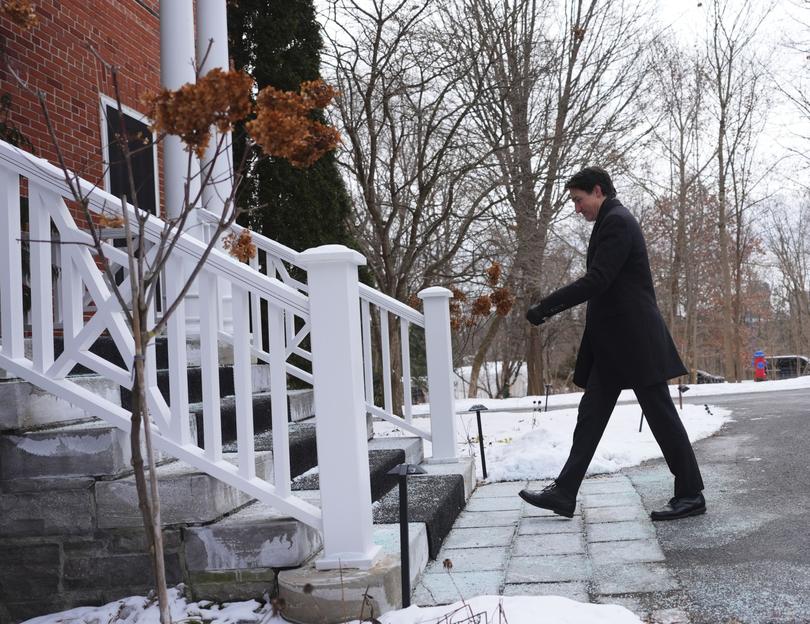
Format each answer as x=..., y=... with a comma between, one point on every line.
x=512, y=609
x=518, y=387
x=534, y=445
x=140, y=610
x=572, y=399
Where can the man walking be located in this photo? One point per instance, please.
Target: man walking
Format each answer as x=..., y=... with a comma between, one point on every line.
x=625, y=345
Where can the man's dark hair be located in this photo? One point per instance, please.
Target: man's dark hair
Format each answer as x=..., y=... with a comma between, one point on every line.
x=590, y=177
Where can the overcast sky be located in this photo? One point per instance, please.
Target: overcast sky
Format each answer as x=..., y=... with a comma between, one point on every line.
x=784, y=25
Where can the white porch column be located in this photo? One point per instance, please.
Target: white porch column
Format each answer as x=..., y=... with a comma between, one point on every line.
x=176, y=69
x=337, y=366
x=439, y=351
x=212, y=51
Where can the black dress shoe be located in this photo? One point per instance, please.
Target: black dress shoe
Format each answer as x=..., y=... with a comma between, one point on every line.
x=553, y=498
x=681, y=507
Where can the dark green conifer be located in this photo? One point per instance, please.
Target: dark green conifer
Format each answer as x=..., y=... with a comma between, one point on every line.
x=278, y=42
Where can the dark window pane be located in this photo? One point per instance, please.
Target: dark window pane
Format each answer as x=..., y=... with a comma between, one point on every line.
x=143, y=163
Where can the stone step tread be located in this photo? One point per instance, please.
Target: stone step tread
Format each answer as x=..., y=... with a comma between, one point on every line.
x=85, y=425
x=412, y=445
x=298, y=401
x=90, y=449
x=436, y=500
x=251, y=538
x=188, y=496
x=312, y=595
x=177, y=469
x=98, y=450
x=380, y=462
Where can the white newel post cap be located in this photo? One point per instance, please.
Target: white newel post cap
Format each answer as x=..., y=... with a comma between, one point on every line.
x=331, y=253
x=434, y=292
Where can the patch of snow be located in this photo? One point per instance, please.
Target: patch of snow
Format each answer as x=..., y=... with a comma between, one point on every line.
x=515, y=610
x=140, y=610
x=512, y=609
x=571, y=399
x=535, y=445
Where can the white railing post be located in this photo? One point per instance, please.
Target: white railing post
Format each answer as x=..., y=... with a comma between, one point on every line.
x=337, y=367
x=439, y=351
x=41, y=272
x=11, y=286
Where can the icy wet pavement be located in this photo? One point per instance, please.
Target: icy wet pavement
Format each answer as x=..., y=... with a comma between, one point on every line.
x=608, y=552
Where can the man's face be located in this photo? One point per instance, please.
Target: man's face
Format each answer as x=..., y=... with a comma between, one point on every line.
x=587, y=204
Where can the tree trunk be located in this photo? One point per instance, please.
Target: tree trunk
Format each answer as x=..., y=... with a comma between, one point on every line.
x=680, y=251
x=148, y=498
x=397, y=387
x=738, y=302
x=725, y=261
x=481, y=354
x=534, y=362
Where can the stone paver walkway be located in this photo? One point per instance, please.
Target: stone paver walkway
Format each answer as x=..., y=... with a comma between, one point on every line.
x=608, y=552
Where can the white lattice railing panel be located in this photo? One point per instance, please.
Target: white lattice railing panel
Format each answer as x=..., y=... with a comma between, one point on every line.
x=381, y=317
x=64, y=309
x=303, y=315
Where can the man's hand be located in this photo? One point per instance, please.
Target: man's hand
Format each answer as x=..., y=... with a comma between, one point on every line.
x=535, y=316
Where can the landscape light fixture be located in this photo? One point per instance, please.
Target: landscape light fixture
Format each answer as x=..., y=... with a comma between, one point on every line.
x=401, y=472
x=681, y=389
x=478, y=409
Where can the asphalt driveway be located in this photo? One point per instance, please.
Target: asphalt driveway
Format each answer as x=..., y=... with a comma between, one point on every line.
x=748, y=559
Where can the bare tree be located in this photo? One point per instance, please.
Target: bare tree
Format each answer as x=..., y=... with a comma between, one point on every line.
x=734, y=76
x=563, y=83
x=788, y=239
x=678, y=81
x=404, y=106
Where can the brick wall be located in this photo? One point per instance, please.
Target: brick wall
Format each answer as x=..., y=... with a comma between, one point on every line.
x=55, y=57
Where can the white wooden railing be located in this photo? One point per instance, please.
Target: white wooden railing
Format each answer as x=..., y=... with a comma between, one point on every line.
x=279, y=261
x=323, y=306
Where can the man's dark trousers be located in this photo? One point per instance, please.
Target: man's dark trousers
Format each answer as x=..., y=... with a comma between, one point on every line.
x=595, y=409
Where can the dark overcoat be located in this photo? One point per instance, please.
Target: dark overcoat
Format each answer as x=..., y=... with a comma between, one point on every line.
x=625, y=335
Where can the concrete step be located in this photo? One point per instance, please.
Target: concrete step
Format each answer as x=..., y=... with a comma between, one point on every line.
x=257, y=537
x=312, y=595
x=187, y=496
x=93, y=449
x=436, y=500
x=252, y=538
x=105, y=347
x=383, y=455
x=300, y=406
x=380, y=462
x=260, y=383
x=411, y=445
x=303, y=448
x=24, y=406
